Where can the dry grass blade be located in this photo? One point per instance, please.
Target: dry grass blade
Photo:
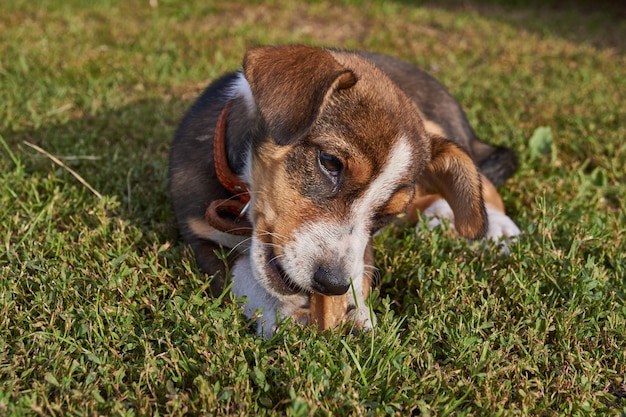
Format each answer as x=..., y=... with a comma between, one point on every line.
x=62, y=165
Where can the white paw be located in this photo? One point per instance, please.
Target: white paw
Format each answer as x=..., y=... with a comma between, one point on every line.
x=437, y=212
x=502, y=230
x=500, y=226
x=363, y=318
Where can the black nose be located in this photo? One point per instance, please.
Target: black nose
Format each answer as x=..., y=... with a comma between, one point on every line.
x=328, y=282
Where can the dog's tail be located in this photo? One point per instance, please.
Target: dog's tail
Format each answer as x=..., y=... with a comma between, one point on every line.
x=497, y=163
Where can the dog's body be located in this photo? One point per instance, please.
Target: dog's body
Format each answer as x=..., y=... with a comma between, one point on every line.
x=330, y=146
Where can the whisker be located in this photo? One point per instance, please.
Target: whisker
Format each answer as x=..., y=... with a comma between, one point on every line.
x=275, y=258
x=246, y=240
x=246, y=249
x=237, y=229
x=242, y=251
x=280, y=238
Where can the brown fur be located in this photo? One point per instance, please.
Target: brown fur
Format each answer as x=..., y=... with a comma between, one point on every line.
x=452, y=175
x=276, y=218
x=291, y=103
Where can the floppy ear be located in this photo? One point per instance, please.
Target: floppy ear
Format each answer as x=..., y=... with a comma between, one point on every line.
x=290, y=85
x=453, y=175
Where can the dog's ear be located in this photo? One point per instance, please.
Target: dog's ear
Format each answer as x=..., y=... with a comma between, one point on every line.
x=453, y=175
x=290, y=85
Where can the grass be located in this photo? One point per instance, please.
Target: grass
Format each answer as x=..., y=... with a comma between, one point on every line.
x=103, y=311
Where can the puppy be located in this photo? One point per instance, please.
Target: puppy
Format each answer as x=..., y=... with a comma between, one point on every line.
x=292, y=163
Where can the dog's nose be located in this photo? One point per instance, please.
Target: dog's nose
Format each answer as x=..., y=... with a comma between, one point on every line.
x=328, y=282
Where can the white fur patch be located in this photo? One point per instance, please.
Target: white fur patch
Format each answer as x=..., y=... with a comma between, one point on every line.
x=502, y=230
x=202, y=138
x=241, y=88
x=202, y=229
x=259, y=300
x=437, y=212
x=500, y=225
x=381, y=189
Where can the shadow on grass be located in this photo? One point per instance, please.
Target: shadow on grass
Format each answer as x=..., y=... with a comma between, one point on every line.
x=121, y=153
x=600, y=23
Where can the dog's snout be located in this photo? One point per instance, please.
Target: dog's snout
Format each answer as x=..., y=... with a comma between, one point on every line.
x=329, y=282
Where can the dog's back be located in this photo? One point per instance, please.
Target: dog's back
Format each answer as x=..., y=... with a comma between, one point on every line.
x=443, y=115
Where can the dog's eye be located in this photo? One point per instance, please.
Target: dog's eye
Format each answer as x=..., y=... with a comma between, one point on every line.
x=331, y=165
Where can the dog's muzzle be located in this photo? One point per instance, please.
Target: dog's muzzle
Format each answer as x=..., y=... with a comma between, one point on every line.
x=278, y=278
x=326, y=280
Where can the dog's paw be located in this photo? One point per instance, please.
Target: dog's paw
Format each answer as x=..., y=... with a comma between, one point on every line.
x=269, y=328
x=437, y=213
x=301, y=316
x=502, y=230
x=359, y=319
x=501, y=227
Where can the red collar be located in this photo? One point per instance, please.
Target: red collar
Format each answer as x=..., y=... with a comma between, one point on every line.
x=220, y=158
x=227, y=215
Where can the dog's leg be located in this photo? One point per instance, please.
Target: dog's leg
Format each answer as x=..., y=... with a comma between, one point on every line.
x=257, y=299
x=209, y=263
x=435, y=209
x=260, y=304
x=358, y=310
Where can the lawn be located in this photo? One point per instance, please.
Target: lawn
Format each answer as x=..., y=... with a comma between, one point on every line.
x=104, y=312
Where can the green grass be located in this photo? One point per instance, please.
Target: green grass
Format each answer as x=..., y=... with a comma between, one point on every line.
x=103, y=311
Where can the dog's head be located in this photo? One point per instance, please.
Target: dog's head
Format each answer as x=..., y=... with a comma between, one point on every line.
x=341, y=153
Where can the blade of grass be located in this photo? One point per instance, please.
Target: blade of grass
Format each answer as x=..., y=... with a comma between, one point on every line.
x=62, y=165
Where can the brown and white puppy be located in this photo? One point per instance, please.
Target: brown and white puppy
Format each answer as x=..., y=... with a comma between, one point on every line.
x=330, y=146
